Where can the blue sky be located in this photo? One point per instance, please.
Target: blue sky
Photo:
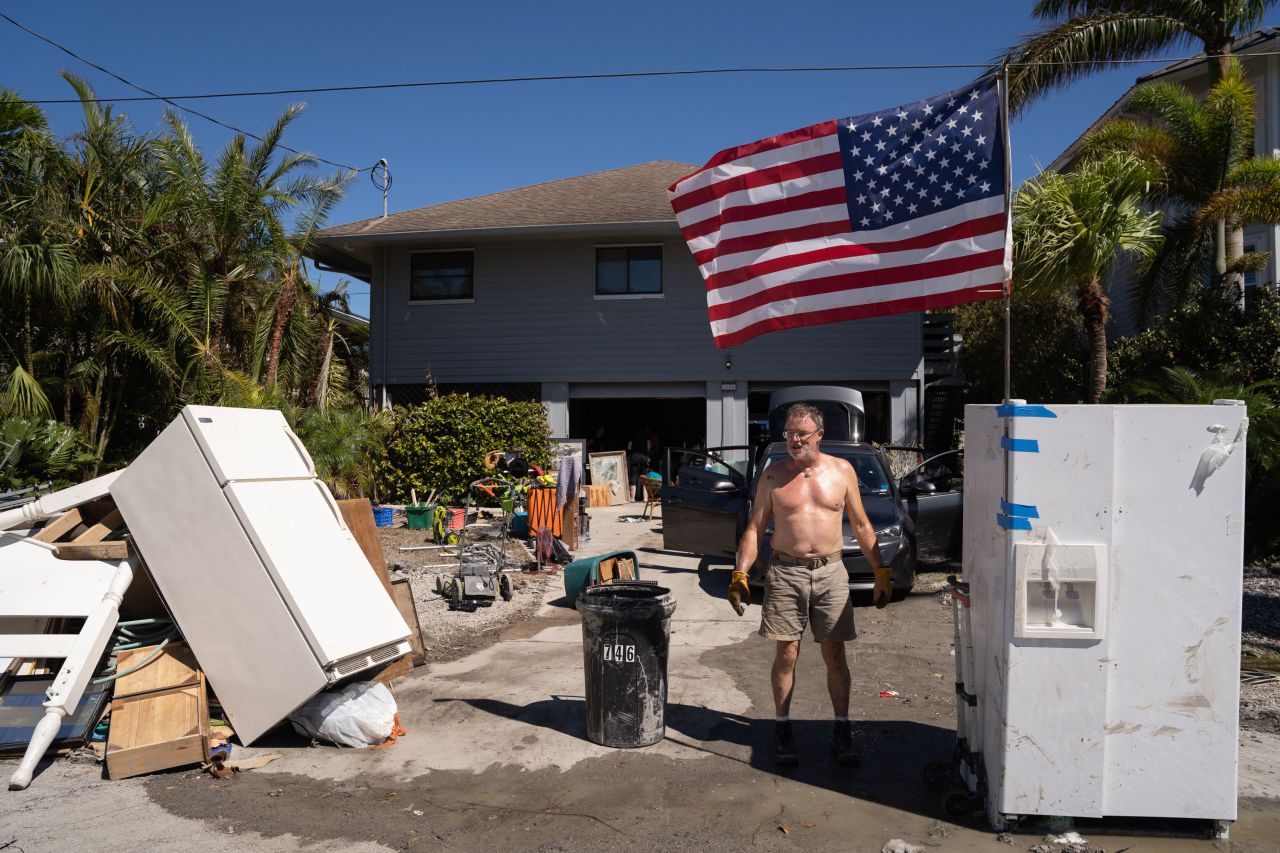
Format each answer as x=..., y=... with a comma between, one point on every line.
x=448, y=143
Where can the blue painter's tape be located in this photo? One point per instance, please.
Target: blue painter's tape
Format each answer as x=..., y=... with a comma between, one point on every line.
x=1019, y=510
x=1009, y=522
x=1010, y=410
x=1020, y=445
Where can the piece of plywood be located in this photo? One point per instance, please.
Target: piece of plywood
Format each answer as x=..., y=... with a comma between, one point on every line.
x=358, y=514
x=402, y=595
x=160, y=713
x=599, y=495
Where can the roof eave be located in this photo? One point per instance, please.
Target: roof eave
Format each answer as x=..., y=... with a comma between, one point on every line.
x=652, y=226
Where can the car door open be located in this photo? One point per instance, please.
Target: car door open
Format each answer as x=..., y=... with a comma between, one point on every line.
x=933, y=495
x=704, y=499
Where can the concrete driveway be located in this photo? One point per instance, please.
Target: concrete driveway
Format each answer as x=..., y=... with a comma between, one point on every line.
x=497, y=756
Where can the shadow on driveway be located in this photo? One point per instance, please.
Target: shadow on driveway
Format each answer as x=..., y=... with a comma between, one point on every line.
x=894, y=752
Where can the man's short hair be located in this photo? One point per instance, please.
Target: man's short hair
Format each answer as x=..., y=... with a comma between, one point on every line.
x=805, y=410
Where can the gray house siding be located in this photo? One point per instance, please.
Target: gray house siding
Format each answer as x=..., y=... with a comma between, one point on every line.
x=535, y=318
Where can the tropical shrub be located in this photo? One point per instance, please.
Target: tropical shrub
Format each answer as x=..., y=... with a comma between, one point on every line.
x=345, y=445
x=440, y=445
x=35, y=451
x=1051, y=359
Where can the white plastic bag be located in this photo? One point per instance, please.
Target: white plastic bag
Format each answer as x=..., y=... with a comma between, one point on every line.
x=362, y=714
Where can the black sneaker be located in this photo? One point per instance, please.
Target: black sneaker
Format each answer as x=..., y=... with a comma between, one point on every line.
x=784, y=745
x=842, y=743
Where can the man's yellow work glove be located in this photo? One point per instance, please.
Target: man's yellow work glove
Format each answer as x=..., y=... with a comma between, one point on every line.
x=739, y=592
x=884, y=587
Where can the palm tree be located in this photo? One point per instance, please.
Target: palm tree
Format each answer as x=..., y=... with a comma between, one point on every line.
x=1201, y=151
x=1071, y=229
x=232, y=216
x=1085, y=36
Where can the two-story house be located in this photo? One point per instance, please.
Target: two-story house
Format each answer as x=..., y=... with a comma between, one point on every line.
x=581, y=293
x=1259, y=54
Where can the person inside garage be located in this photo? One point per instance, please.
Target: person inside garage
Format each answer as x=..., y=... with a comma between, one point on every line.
x=807, y=583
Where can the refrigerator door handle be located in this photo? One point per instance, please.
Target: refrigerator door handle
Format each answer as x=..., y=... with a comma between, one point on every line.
x=302, y=451
x=333, y=505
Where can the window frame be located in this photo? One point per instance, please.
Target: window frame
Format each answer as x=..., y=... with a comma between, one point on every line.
x=444, y=300
x=1244, y=279
x=662, y=278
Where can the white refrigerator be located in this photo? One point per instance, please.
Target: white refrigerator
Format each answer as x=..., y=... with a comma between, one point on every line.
x=1103, y=546
x=255, y=562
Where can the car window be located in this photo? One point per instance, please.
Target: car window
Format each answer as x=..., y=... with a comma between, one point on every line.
x=871, y=477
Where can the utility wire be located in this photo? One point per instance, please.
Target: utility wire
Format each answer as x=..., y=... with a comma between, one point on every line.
x=617, y=75
x=152, y=96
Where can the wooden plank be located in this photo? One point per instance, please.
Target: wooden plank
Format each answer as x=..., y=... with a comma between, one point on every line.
x=58, y=527
x=358, y=514
x=402, y=595
x=118, y=550
x=101, y=530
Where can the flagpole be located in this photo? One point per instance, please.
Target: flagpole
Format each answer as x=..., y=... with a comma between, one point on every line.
x=1008, y=188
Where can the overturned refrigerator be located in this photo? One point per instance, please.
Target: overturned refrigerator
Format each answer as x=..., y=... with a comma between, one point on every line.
x=1103, y=548
x=255, y=563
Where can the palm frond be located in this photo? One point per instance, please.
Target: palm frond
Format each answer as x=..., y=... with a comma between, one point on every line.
x=1062, y=53
x=23, y=397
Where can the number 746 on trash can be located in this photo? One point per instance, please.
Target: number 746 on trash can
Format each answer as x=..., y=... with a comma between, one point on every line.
x=620, y=652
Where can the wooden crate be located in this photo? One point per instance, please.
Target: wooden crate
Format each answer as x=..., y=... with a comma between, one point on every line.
x=159, y=715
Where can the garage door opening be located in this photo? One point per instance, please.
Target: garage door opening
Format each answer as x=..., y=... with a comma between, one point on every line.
x=675, y=421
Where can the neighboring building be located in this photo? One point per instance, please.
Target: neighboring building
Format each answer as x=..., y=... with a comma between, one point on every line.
x=581, y=293
x=1257, y=53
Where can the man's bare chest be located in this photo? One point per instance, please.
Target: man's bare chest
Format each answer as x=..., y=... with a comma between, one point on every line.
x=806, y=493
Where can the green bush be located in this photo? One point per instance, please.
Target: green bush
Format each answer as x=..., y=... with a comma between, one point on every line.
x=1050, y=358
x=35, y=451
x=441, y=444
x=1208, y=335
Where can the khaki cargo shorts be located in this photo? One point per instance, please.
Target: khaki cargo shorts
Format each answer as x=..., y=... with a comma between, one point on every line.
x=811, y=592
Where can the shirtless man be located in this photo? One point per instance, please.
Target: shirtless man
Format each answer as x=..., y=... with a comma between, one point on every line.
x=807, y=582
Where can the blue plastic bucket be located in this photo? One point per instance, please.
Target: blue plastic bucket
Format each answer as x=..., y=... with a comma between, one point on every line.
x=383, y=516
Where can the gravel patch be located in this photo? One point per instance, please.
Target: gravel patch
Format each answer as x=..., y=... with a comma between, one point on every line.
x=451, y=634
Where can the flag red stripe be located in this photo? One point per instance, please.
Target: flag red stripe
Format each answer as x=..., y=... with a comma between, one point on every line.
x=782, y=140
x=959, y=231
x=859, y=312
x=759, y=178
x=856, y=281
x=745, y=213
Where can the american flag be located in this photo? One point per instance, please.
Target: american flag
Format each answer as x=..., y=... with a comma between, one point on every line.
x=893, y=211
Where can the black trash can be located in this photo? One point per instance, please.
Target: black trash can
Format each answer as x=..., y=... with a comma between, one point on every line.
x=626, y=629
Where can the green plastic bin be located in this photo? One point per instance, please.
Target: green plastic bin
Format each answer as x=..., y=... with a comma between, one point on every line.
x=420, y=516
x=586, y=572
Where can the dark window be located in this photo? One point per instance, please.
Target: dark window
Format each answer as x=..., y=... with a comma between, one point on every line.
x=628, y=269
x=440, y=275
x=1250, y=278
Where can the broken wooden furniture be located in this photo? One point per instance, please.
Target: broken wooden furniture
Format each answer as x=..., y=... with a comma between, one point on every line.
x=159, y=713
x=36, y=586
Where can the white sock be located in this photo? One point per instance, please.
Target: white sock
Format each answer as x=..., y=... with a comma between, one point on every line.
x=785, y=719
x=842, y=719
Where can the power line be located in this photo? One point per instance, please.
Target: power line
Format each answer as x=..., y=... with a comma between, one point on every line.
x=152, y=96
x=617, y=75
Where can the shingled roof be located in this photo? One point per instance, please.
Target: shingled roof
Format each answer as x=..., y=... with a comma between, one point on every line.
x=633, y=194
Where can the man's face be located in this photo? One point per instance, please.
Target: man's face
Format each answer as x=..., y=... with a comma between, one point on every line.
x=802, y=436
